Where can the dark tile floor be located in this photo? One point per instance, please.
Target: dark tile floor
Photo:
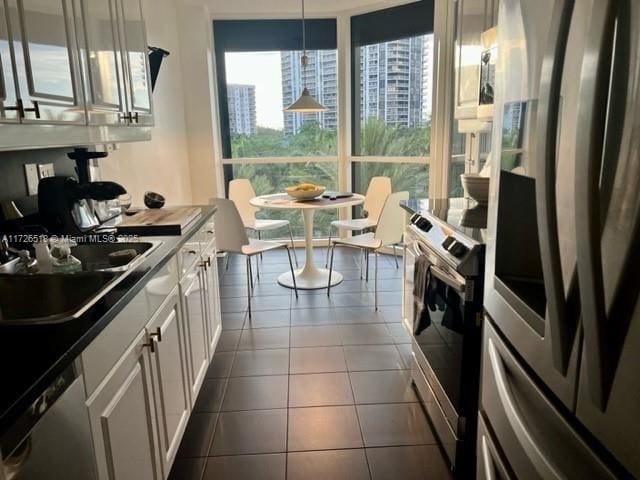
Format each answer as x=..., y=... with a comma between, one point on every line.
x=310, y=388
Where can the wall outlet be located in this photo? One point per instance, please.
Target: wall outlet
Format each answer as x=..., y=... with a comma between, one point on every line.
x=46, y=170
x=31, y=175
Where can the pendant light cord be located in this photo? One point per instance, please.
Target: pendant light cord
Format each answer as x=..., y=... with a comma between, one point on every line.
x=304, y=51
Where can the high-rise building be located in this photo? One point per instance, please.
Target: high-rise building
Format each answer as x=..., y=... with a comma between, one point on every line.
x=395, y=81
x=242, y=108
x=320, y=79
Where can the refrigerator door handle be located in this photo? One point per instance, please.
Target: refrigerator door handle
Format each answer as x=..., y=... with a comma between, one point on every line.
x=544, y=468
x=562, y=331
x=592, y=113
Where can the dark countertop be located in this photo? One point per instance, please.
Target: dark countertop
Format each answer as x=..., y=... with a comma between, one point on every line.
x=32, y=356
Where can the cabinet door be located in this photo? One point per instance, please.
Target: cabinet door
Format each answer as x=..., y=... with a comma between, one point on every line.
x=194, y=314
x=212, y=301
x=122, y=416
x=8, y=99
x=46, y=60
x=136, y=59
x=100, y=51
x=168, y=364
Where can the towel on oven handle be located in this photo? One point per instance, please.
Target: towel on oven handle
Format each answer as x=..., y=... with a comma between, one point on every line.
x=421, y=318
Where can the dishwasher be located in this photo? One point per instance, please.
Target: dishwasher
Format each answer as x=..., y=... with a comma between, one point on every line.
x=52, y=439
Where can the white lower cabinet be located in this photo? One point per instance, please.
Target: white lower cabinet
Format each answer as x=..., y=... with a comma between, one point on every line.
x=140, y=409
x=192, y=289
x=123, y=421
x=170, y=379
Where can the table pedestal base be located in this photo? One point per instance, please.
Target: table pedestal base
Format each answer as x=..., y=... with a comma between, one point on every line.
x=310, y=279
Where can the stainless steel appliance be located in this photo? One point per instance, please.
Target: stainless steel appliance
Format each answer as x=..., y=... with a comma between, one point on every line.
x=52, y=439
x=446, y=348
x=560, y=394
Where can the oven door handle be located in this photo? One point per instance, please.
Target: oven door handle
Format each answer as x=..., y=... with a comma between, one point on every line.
x=450, y=280
x=438, y=272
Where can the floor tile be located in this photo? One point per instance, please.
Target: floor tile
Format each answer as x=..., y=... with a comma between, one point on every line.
x=327, y=465
x=256, y=393
x=271, y=302
x=406, y=354
x=233, y=321
x=228, y=341
x=210, y=396
x=390, y=386
x=323, y=428
x=264, y=338
x=391, y=313
x=268, y=319
x=187, y=469
x=375, y=334
x=220, y=365
x=313, y=316
x=409, y=463
x=256, y=431
x=373, y=357
x=320, y=389
x=313, y=301
x=394, y=424
x=399, y=333
x=317, y=360
x=261, y=362
x=233, y=304
x=315, y=336
x=198, y=435
x=348, y=315
x=246, y=467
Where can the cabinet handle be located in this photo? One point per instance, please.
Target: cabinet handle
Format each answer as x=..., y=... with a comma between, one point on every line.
x=191, y=252
x=151, y=345
x=157, y=334
x=35, y=109
x=204, y=265
x=19, y=107
x=125, y=116
x=134, y=117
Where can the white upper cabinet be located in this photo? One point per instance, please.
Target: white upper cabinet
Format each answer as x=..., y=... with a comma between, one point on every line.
x=136, y=60
x=8, y=98
x=113, y=48
x=46, y=66
x=100, y=51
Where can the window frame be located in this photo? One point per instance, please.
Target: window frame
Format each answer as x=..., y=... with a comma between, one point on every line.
x=389, y=24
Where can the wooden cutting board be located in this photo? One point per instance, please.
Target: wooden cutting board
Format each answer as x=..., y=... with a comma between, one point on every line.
x=159, y=221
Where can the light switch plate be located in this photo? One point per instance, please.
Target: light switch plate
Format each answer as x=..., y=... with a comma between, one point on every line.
x=31, y=175
x=46, y=170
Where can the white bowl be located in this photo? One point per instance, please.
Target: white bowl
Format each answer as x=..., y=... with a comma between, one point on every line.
x=305, y=194
x=476, y=187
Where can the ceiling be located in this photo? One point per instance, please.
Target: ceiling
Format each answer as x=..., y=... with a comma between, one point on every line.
x=286, y=8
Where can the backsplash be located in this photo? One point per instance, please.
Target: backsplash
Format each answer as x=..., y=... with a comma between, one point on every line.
x=13, y=185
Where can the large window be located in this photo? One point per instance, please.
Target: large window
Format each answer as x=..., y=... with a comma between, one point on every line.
x=392, y=72
x=259, y=74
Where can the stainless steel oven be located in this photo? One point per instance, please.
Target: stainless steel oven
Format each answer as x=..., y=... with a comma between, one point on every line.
x=446, y=347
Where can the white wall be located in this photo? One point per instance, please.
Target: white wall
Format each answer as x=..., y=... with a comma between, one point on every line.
x=161, y=164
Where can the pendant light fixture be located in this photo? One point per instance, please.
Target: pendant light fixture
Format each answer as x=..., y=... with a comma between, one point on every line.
x=305, y=103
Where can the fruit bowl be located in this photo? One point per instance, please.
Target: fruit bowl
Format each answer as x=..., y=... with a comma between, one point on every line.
x=305, y=191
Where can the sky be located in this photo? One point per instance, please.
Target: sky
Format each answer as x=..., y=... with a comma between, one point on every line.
x=261, y=69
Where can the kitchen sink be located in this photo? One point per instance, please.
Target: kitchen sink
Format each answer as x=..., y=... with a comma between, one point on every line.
x=95, y=256
x=51, y=298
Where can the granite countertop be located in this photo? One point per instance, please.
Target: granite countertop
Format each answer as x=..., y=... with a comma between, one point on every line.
x=32, y=356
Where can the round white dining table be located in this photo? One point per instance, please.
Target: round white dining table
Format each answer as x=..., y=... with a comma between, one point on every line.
x=308, y=277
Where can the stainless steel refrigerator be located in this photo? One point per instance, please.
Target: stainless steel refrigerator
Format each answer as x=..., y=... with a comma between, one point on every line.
x=560, y=388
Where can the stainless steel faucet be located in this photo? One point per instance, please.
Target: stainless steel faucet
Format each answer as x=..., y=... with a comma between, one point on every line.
x=30, y=265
